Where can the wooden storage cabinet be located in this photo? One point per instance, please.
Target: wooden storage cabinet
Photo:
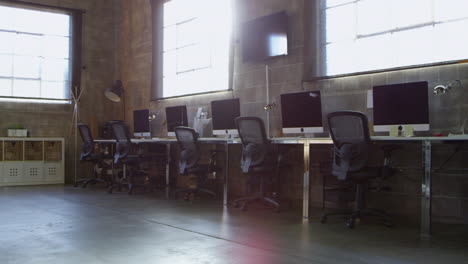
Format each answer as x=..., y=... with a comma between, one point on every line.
x=32, y=161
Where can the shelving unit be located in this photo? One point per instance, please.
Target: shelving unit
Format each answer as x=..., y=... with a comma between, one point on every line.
x=32, y=161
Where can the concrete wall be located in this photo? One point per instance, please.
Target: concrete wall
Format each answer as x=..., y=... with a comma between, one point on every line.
x=286, y=75
x=98, y=58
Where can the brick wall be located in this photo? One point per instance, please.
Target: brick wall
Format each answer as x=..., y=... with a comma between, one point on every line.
x=286, y=74
x=98, y=57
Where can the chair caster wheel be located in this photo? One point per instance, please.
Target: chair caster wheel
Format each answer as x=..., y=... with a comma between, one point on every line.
x=350, y=224
x=323, y=219
x=109, y=190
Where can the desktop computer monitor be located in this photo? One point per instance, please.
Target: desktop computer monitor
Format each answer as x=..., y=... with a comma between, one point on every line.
x=175, y=116
x=302, y=112
x=402, y=105
x=141, y=123
x=224, y=112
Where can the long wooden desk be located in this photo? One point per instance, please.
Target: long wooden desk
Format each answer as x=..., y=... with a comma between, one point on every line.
x=426, y=183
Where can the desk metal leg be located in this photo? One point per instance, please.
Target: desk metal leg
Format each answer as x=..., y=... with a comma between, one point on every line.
x=168, y=166
x=426, y=192
x=305, y=198
x=226, y=174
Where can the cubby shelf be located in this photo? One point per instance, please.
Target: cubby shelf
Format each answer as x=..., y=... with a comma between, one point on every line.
x=32, y=161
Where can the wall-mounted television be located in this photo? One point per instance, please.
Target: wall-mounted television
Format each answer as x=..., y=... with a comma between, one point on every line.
x=265, y=37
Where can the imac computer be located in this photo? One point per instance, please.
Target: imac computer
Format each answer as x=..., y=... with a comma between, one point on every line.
x=224, y=113
x=402, y=105
x=301, y=112
x=175, y=116
x=141, y=123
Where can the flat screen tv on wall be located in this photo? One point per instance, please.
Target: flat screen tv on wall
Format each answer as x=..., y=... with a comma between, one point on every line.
x=265, y=37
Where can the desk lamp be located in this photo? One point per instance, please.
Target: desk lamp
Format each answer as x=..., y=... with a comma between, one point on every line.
x=116, y=94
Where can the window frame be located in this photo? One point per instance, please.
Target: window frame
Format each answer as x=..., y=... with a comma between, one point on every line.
x=76, y=19
x=157, y=86
x=317, y=37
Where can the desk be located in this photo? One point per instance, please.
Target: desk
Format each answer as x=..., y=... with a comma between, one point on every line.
x=426, y=183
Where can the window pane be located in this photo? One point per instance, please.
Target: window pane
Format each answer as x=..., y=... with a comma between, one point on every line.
x=373, y=16
x=446, y=46
x=28, y=45
x=6, y=65
x=391, y=34
x=170, y=38
x=340, y=23
x=340, y=57
x=26, y=67
x=26, y=88
x=170, y=63
x=56, y=47
x=55, y=70
x=5, y=87
x=7, y=41
x=374, y=53
x=411, y=12
x=193, y=57
x=337, y=2
x=414, y=46
x=189, y=33
x=196, y=46
x=29, y=20
x=450, y=9
x=54, y=90
x=7, y=17
x=57, y=24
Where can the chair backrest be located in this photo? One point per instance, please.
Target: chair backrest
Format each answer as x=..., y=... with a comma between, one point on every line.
x=190, y=149
x=88, y=141
x=255, y=143
x=350, y=133
x=122, y=136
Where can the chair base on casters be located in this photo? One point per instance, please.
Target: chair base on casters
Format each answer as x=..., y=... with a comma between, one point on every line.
x=192, y=191
x=243, y=203
x=356, y=215
x=360, y=211
x=84, y=182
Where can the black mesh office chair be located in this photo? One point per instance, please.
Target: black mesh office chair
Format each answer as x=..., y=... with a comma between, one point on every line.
x=258, y=160
x=88, y=155
x=351, y=141
x=130, y=162
x=189, y=162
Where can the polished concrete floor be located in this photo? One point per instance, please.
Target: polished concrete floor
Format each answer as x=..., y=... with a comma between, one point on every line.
x=55, y=224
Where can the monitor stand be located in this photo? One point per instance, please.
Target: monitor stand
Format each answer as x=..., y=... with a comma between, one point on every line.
x=401, y=130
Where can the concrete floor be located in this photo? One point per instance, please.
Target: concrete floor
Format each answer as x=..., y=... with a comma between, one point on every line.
x=55, y=224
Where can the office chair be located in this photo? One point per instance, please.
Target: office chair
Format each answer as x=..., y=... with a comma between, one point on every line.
x=88, y=155
x=189, y=162
x=130, y=162
x=257, y=161
x=351, y=143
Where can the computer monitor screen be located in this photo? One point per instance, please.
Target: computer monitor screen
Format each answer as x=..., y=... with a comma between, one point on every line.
x=265, y=37
x=175, y=116
x=141, y=124
x=224, y=112
x=302, y=112
x=404, y=104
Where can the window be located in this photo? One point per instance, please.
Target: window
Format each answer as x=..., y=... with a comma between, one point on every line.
x=35, y=48
x=368, y=35
x=195, y=47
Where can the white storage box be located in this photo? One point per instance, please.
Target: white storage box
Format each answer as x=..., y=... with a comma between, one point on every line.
x=12, y=132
